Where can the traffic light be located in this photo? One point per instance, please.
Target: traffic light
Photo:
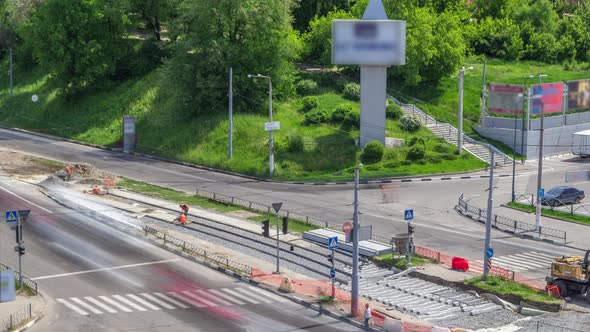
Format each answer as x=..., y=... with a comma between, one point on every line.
x=285, y=225
x=410, y=229
x=18, y=233
x=330, y=258
x=266, y=228
x=21, y=250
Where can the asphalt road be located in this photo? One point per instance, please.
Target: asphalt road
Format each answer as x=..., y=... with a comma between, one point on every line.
x=438, y=226
x=96, y=278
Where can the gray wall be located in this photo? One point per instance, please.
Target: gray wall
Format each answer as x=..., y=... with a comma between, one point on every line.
x=556, y=140
x=535, y=124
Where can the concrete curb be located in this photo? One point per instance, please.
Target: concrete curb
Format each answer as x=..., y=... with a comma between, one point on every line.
x=550, y=217
x=29, y=324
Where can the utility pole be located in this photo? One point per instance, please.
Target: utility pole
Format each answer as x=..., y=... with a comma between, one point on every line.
x=528, y=95
x=540, y=169
x=277, y=208
x=231, y=110
x=355, y=246
x=488, y=240
x=271, y=160
x=483, y=96
x=460, y=133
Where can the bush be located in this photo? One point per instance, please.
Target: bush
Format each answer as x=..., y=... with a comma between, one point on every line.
x=306, y=87
x=372, y=153
x=353, y=119
x=441, y=148
x=410, y=123
x=310, y=102
x=415, y=153
x=341, y=113
x=391, y=164
x=434, y=159
x=295, y=143
x=316, y=117
x=391, y=154
x=416, y=140
x=393, y=112
x=352, y=91
x=449, y=156
x=280, y=145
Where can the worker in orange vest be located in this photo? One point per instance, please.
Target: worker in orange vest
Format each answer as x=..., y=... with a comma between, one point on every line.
x=182, y=219
x=96, y=190
x=184, y=209
x=69, y=171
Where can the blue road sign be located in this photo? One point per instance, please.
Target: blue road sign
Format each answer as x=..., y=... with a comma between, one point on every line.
x=332, y=273
x=541, y=193
x=409, y=214
x=490, y=253
x=333, y=243
x=11, y=216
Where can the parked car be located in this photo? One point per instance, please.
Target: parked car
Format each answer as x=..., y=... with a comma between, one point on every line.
x=562, y=195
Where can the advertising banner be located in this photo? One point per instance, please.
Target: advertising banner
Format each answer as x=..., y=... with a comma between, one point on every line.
x=7, y=286
x=578, y=94
x=547, y=98
x=505, y=98
x=128, y=133
x=369, y=42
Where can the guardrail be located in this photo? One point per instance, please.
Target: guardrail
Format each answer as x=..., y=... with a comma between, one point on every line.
x=196, y=251
x=15, y=319
x=26, y=280
x=510, y=225
x=558, y=203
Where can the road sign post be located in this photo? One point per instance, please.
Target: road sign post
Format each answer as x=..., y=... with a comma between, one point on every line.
x=333, y=276
x=408, y=216
x=277, y=208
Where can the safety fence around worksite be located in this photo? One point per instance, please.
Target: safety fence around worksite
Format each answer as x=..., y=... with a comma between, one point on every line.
x=27, y=282
x=511, y=226
x=199, y=252
x=16, y=319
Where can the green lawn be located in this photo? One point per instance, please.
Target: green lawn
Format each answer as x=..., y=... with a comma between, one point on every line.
x=400, y=261
x=506, y=287
x=553, y=213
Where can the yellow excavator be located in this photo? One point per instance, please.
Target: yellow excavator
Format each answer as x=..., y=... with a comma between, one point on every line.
x=571, y=275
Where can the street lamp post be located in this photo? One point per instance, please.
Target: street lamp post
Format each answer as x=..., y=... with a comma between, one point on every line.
x=277, y=208
x=354, y=303
x=540, y=169
x=521, y=139
x=271, y=156
x=460, y=133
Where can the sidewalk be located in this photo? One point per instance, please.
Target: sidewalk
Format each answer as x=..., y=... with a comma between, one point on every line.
x=19, y=309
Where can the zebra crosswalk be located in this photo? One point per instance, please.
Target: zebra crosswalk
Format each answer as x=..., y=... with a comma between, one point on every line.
x=526, y=261
x=183, y=299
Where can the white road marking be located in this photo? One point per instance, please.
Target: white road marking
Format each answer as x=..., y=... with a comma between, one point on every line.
x=86, y=305
x=71, y=306
x=200, y=299
x=216, y=292
x=129, y=303
x=268, y=294
x=100, y=304
x=256, y=296
x=212, y=297
x=160, y=302
x=241, y=296
x=114, y=303
x=171, y=300
x=26, y=200
x=143, y=302
x=105, y=269
x=188, y=300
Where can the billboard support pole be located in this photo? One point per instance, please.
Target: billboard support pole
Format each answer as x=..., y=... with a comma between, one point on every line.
x=565, y=102
x=525, y=127
x=540, y=169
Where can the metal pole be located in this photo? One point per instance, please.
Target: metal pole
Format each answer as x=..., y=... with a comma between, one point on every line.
x=483, y=96
x=355, y=247
x=409, y=247
x=231, y=110
x=271, y=160
x=540, y=169
x=20, y=240
x=514, y=159
x=488, y=240
x=459, y=135
x=11, y=71
x=524, y=100
x=277, y=242
x=333, y=268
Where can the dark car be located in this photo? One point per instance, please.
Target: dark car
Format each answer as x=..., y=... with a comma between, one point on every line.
x=562, y=195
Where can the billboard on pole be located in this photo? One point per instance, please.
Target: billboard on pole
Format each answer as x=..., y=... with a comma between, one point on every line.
x=578, y=94
x=505, y=98
x=547, y=98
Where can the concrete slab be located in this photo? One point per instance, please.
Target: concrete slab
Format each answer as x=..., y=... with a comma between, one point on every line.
x=368, y=248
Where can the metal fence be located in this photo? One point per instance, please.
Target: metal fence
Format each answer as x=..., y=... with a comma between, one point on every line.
x=26, y=280
x=196, y=251
x=510, y=225
x=15, y=319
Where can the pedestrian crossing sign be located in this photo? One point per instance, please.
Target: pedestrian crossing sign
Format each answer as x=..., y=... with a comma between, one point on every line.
x=333, y=243
x=409, y=214
x=11, y=216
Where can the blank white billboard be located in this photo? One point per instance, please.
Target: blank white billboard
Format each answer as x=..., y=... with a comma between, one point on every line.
x=368, y=42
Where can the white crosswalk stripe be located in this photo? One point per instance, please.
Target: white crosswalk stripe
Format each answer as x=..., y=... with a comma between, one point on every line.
x=183, y=299
x=517, y=262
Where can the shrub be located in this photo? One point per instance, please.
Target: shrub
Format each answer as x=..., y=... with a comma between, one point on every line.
x=391, y=154
x=415, y=153
x=353, y=119
x=449, y=156
x=416, y=140
x=434, y=159
x=372, y=153
x=391, y=164
x=393, y=112
x=441, y=148
x=306, y=87
x=410, y=123
x=295, y=143
x=316, y=117
x=341, y=113
x=280, y=145
x=309, y=103
x=352, y=91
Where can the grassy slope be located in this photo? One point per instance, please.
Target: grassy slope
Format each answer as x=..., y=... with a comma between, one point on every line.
x=97, y=116
x=442, y=101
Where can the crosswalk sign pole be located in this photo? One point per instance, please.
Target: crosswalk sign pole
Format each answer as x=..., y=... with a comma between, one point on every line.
x=19, y=244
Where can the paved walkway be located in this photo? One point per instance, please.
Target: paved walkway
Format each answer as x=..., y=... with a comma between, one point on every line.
x=19, y=308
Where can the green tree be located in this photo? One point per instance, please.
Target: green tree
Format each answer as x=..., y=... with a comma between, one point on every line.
x=307, y=10
x=495, y=8
x=153, y=12
x=318, y=39
x=249, y=35
x=79, y=41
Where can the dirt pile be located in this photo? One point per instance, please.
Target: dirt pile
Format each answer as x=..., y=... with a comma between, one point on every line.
x=85, y=170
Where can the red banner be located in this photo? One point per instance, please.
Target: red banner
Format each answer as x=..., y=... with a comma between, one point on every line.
x=505, y=98
x=547, y=98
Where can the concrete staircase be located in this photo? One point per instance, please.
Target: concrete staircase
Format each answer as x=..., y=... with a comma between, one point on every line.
x=449, y=134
